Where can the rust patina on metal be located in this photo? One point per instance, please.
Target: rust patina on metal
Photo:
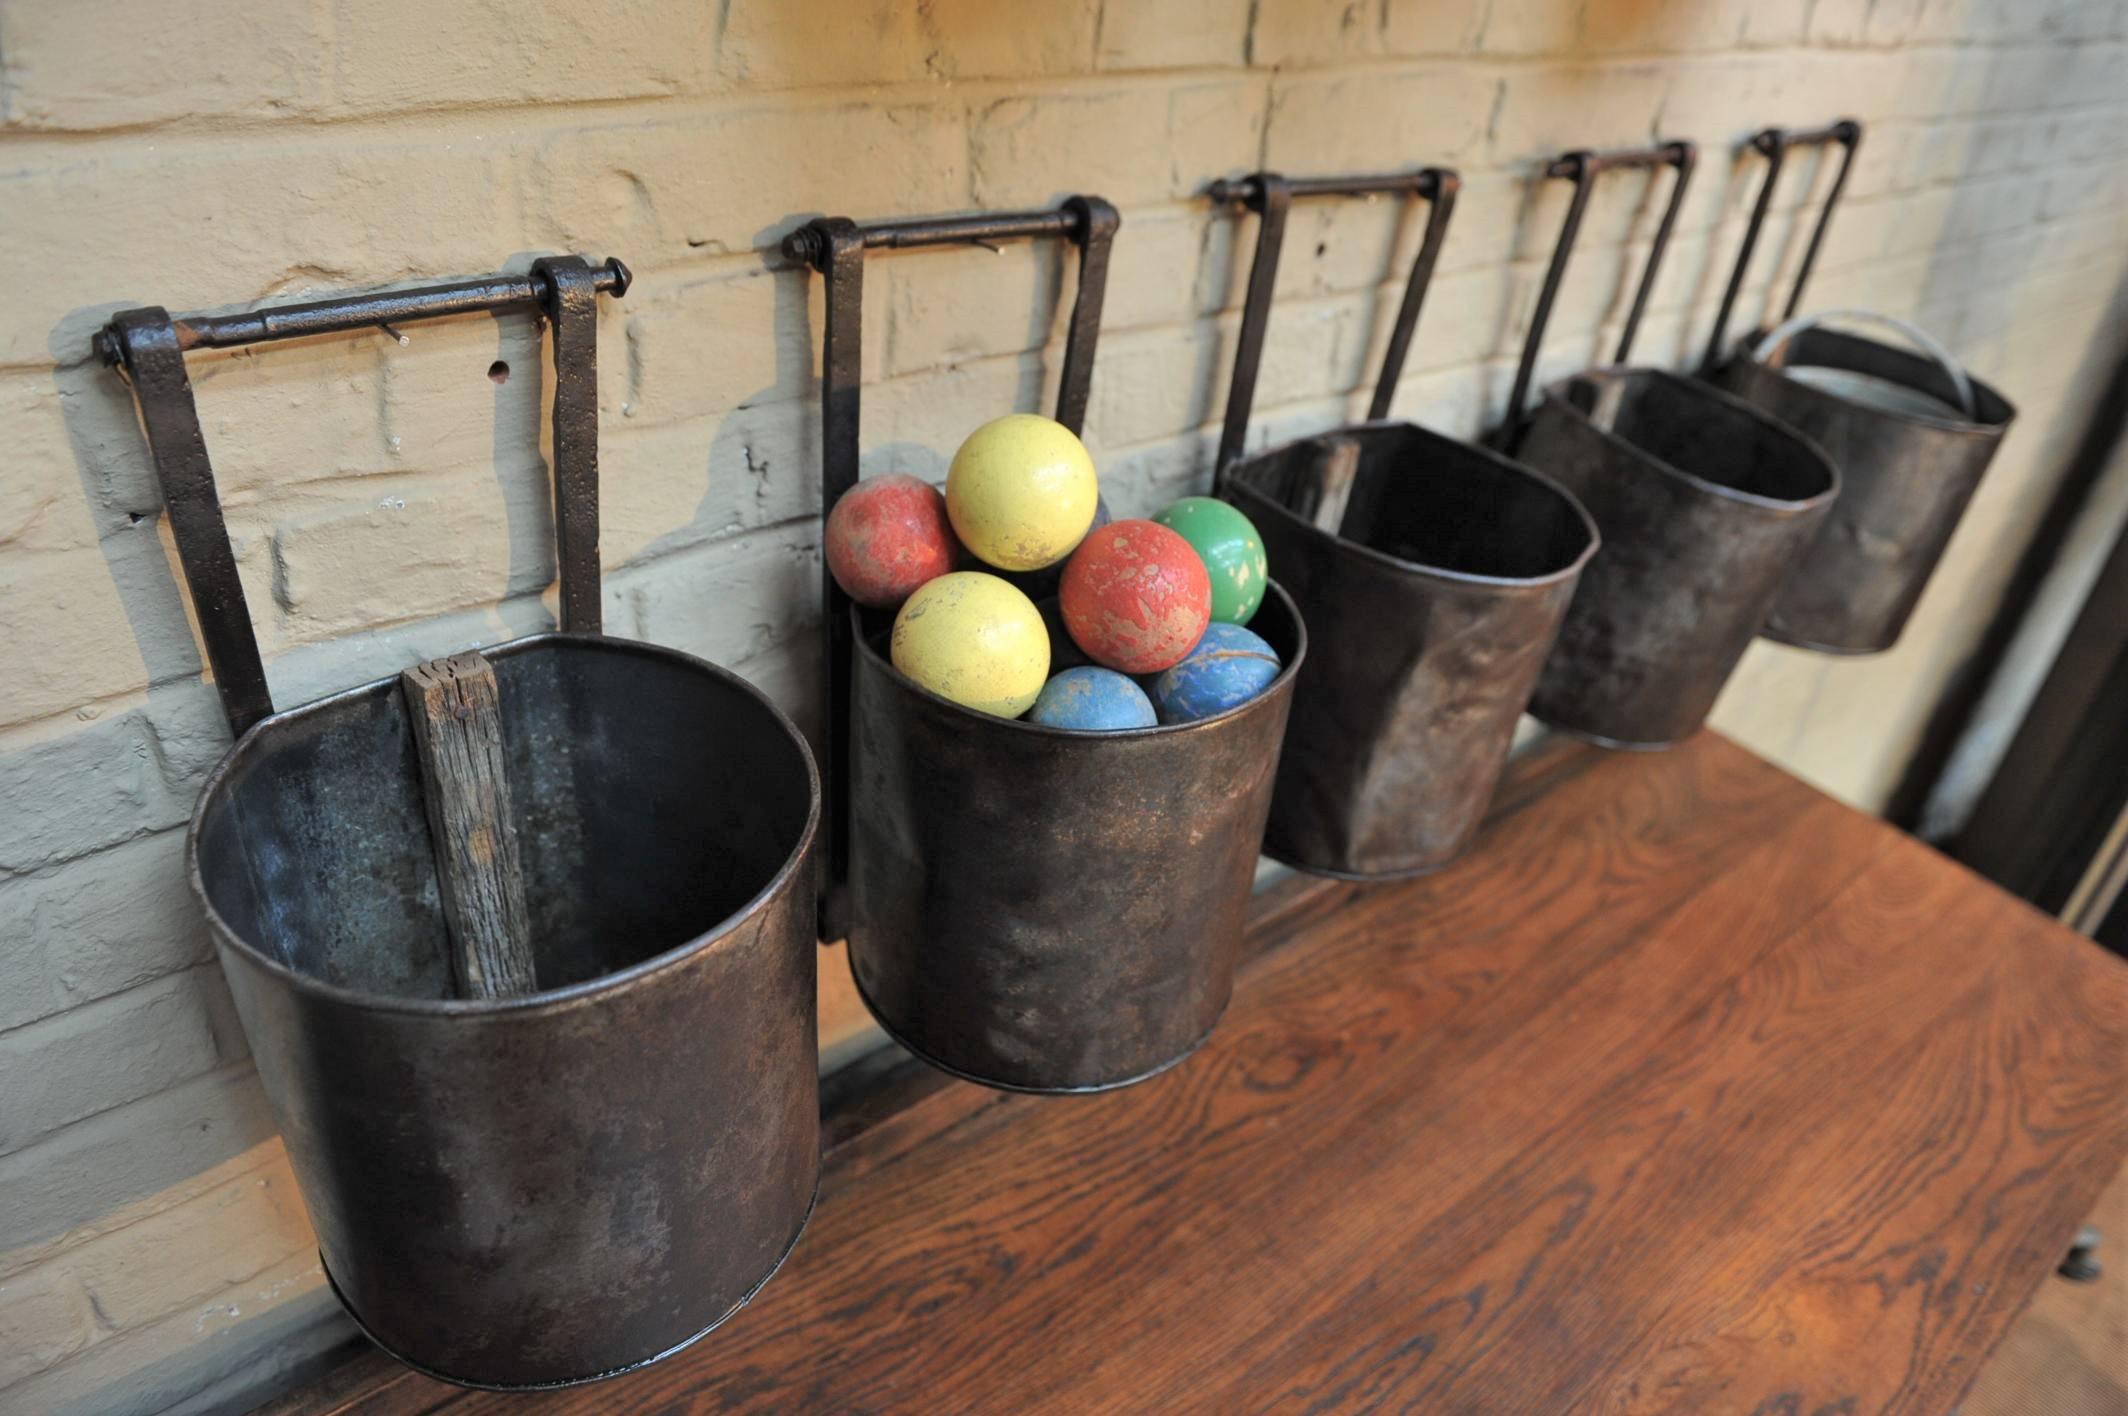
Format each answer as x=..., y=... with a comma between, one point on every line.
x=554, y=1187
x=1432, y=598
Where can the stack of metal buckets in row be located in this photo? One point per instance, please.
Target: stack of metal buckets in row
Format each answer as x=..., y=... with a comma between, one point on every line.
x=521, y=938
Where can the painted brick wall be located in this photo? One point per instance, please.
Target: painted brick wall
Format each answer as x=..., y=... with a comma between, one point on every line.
x=388, y=502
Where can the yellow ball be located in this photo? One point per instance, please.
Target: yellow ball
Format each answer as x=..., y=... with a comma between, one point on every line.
x=974, y=639
x=1021, y=492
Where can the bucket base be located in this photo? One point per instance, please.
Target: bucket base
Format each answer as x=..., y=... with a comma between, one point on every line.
x=686, y=1342
x=982, y=1081
x=1797, y=641
x=1614, y=744
x=1355, y=877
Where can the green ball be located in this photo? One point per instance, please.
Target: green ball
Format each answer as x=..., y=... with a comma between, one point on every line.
x=1231, y=550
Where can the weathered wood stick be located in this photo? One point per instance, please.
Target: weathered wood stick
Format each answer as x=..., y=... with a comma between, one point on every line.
x=456, y=715
x=1336, y=464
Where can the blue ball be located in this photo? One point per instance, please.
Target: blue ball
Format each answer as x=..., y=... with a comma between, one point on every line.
x=1093, y=700
x=1229, y=666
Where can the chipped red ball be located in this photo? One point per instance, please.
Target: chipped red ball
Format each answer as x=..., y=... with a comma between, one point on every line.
x=886, y=537
x=1136, y=597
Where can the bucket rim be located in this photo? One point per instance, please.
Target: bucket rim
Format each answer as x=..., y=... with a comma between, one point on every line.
x=1757, y=501
x=1403, y=565
x=1262, y=701
x=569, y=996
x=1746, y=354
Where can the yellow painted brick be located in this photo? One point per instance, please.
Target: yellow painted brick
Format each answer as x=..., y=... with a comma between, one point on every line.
x=45, y=1318
x=829, y=43
x=87, y=624
x=1531, y=27
x=1414, y=27
x=1304, y=33
x=1333, y=122
x=670, y=487
x=1174, y=34
x=1134, y=143
x=1172, y=269
x=110, y=63
x=1548, y=110
x=948, y=306
x=396, y=54
x=1776, y=22
x=1638, y=27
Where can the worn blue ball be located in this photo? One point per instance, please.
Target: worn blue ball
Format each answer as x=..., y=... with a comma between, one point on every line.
x=1092, y=700
x=1229, y=666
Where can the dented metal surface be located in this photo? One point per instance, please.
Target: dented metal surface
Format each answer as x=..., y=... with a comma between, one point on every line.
x=1047, y=910
x=1705, y=505
x=549, y=1188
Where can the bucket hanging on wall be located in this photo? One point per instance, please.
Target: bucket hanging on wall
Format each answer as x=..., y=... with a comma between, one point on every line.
x=1433, y=576
x=538, y=1030
x=1909, y=430
x=1704, y=504
x=1028, y=907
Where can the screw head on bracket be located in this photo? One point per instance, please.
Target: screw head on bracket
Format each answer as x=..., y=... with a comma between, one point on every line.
x=622, y=276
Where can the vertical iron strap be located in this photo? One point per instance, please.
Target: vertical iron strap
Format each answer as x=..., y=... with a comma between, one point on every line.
x=835, y=246
x=146, y=340
x=1270, y=195
x=1582, y=168
x=1775, y=144
x=571, y=304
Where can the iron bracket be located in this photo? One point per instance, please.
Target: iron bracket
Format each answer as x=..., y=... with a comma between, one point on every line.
x=1270, y=196
x=1582, y=168
x=835, y=246
x=148, y=345
x=1774, y=144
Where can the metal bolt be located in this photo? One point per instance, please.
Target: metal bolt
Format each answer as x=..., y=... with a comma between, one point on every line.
x=803, y=246
x=2080, y=1264
x=622, y=276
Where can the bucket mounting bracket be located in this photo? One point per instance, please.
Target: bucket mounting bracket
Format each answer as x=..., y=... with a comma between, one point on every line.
x=1774, y=144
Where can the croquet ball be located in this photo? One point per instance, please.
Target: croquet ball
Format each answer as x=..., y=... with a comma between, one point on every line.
x=1230, y=666
x=886, y=536
x=1040, y=585
x=972, y=638
x=1096, y=700
x=1233, y=554
x=1021, y=492
x=1135, y=597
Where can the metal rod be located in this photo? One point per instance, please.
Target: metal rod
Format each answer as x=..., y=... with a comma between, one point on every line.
x=1271, y=195
x=1774, y=144
x=1582, y=168
x=835, y=246
x=341, y=313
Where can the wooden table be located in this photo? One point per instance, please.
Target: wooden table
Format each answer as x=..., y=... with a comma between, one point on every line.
x=1689, y=1090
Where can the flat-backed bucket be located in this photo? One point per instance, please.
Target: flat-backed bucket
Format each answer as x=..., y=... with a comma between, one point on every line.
x=1911, y=433
x=1432, y=574
x=546, y=1188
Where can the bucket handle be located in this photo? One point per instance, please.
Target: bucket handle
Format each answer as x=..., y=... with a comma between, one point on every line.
x=1582, y=168
x=1775, y=144
x=1927, y=344
x=835, y=246
x=1270, y=196
x=148, y=345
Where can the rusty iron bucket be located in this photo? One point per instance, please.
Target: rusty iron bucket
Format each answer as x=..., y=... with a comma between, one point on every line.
x=1432, y=574
x=1911, y=435
x=553, y=1187
x=1705, y=504
x=1027, y=907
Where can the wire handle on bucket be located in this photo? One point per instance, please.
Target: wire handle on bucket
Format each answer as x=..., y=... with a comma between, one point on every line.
x=1961, y=382
x=1775, y=144
x=1270, y=196
x=1582, y=168
x=148, y=345
x=835, y=246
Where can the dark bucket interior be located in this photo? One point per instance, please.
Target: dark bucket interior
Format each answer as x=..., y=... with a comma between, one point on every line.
x=654, y=797
x=1699, y=431
x=1428, y=499
x=1835, y=349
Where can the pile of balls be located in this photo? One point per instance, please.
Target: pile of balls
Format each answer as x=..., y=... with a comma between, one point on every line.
x=1147, y=627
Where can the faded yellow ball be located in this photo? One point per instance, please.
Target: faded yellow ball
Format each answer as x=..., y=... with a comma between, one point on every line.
x=1021, y=492
x=974, y=639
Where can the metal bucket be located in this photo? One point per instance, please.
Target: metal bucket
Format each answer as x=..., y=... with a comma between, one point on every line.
x=1705, y=504
x=1911, y=435
x=547, y=1188
x=1046, y=910
x=1433, y=607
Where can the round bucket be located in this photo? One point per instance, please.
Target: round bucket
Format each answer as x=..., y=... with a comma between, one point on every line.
x=1432, y=608
x=551, y=1188
x=1047, y=910
x=1705, y=505
x=1909, y=460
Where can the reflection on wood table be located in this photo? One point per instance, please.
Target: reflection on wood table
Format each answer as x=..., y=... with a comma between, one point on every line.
x=1689, y=1090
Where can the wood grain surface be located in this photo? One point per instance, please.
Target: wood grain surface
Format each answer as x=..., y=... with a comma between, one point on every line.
x=1690, y=1090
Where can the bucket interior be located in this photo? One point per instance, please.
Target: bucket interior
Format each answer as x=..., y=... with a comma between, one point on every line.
x=654, y=796
x=1433, y=501
x=1700, y=432
x=1820, y=357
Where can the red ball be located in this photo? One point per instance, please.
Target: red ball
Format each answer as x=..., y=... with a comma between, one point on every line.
x=886, y=537
x=1136, y=597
